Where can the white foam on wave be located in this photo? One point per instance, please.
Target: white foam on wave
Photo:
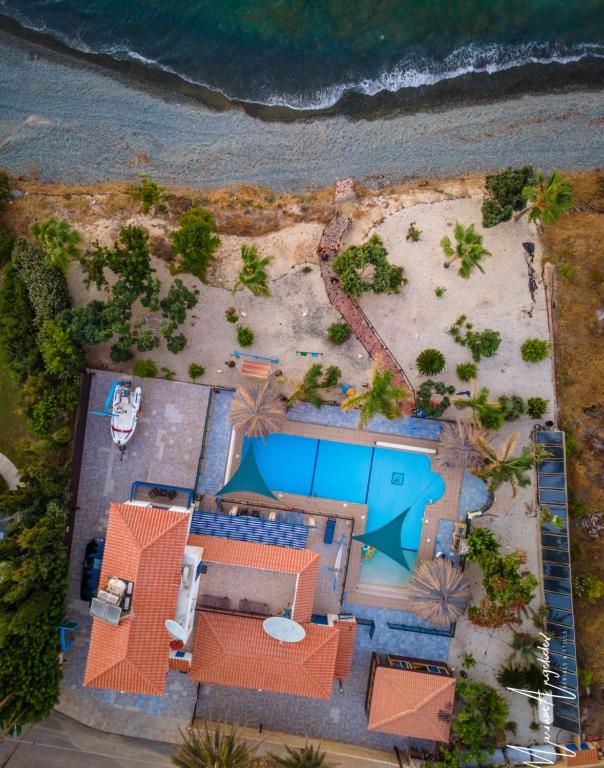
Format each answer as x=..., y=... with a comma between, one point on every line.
x=409, y=73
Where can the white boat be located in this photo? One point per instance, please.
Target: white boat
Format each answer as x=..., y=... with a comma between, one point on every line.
x=124, y=413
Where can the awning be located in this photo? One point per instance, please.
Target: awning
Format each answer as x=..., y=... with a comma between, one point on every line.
x=247, y=478
x=387, y=540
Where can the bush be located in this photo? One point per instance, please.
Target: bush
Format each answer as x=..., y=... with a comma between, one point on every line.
x=6, y=245
x=46, y=286
x=430, y=362
x=196, y=241
x=169, y=374
x=245, y=336
x=196, y=371
x=504, y=194
x=147, y=192
x=231, y=315
x=480, y=343
x=17, y=327
x=536, y=407
x=365, y=267
x=4, y=190
x=433, y=409
x=467, y=371
x=120, y=351
x=338, y=333
x=512, y=406
x=535, y=350
x=62, y=358
x=176, y=343
x=88, y=324
x=145, y=368
x=177, y=301
x=577, y=509
x=413, y=233
x=588, y=586
x=439, y=291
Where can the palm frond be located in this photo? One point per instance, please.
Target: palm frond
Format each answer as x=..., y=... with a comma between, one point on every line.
x=439, y=592
x=257, y=411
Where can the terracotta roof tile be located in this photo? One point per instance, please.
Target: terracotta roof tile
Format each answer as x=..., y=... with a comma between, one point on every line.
x=267, y=557
x=584, y=757
x=348, y=634
x=236, y=651
x=410, y=703
x=144, y=545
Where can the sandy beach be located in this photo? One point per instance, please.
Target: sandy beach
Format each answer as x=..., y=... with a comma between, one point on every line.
x=68, y=121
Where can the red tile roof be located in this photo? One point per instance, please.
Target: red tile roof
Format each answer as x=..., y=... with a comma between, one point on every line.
x=236, y=651
x=348, y=634
x=267, y=557
x=410, y=703
x=144, y=545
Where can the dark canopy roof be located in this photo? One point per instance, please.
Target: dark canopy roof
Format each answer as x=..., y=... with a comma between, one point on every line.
x=387, y=539
x=247, y=478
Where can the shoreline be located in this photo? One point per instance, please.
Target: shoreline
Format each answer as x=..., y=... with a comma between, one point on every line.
x=63, y=120
x=464, y=90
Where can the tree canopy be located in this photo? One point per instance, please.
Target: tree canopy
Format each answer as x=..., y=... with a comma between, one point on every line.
x=365, y=267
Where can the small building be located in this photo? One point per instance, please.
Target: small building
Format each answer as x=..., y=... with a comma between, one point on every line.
x=410, y=697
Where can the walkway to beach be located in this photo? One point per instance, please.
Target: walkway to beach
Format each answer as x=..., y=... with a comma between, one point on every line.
x=9, y=472
x=352, y=313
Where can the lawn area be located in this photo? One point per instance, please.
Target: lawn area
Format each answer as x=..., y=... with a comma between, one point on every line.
x=574, y=245
x=12, y=423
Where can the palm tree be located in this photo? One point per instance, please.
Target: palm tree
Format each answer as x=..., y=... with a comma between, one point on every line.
x=218, y=749
x=525, y=648
x=253, y=274
x=469, y=249
x=486, y=413
x=503, y=467
x=438, y=592
x=549, y=198
x=383, y=397
x=308, y=389
x=511, y=675
x=256, y=411
x=458, y=447
x=303, y=757
x=58, y=241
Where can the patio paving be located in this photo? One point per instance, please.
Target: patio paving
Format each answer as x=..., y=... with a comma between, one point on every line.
x=164, y=449
x=218, y=436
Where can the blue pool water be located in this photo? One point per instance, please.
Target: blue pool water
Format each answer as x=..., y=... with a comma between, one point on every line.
x=387, y=481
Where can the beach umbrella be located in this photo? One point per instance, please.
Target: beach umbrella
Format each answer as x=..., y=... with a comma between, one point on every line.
x=438, y=592
x=256, y=410
x=460, y=447
x=337, y=566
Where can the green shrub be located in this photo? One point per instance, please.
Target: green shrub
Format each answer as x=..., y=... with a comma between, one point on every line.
x=176, y=343
x=535, y=350
x=145, y=368
x=4, y=190
x=430, y=362
x=536, y=407
x=120, y=352
x=18, y=344
x=504, y=194
x=338, y=333
x=58, y=240
x=467, y=371
x=245, y=336
x=177, y=301
x=62, y=358
x=46, y=286
x=196, y=371
x=306, y=270
x=6, y=245
x=480, y=343
x=147, y=192
x=433, y=408
x=413, y=233
x=439, y=291
x=196, y=242
x=231, y=315
x=512, y=406
x=577, y=509
x=168, y=373
x=365, y=267
x=588, y=587
x=567, y=271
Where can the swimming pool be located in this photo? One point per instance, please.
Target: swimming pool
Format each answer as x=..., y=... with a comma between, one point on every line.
x=387, y=481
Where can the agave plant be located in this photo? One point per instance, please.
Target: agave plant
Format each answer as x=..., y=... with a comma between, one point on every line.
x=549, y=198
x=253, y=274
x=438, y=592
x=468, y=250
x=383, y=397
x=307, y=756
x=218, y=748
x=256, y=411
x=459, y=447
x=58, y=240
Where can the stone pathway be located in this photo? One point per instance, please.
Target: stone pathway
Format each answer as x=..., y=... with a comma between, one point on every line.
x=352, y=313
x=9, y=472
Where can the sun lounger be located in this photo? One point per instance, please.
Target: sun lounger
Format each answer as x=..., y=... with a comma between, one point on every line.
x=329, y=530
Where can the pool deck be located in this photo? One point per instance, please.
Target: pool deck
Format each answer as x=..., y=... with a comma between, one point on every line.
x=446, y=508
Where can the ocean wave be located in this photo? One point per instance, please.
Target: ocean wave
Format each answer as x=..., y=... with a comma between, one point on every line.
x=411, y=72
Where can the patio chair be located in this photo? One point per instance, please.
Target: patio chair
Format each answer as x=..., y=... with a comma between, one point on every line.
x=330, y=528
